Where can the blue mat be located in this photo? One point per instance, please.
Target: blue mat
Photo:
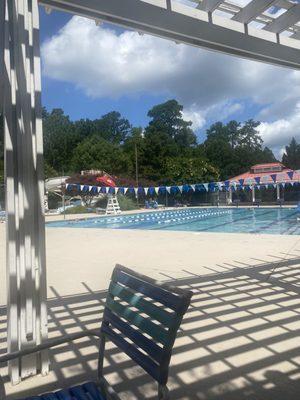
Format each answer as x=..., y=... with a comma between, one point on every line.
x=88, y=391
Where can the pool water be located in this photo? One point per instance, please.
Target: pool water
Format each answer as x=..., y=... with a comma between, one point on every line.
x=232, y=220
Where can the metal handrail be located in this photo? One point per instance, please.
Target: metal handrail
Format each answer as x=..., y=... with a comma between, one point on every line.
x=49, y=344
x=44, y=346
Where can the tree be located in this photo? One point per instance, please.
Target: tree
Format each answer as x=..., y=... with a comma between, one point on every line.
x=49, y=171
x=168, y=118
x=268, y=156
x=181, y=170
x=60, y=140
x=228, y=133
x=97, y=153
x=112, y=127
x=134, y=143
x=249, y=137
x=234, y=147
x=167, y=136
x=291, y=157
x=167, y=148
x=157, y=147
x=219, y=149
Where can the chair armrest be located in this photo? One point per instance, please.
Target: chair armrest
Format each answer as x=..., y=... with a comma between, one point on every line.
x=49, y=344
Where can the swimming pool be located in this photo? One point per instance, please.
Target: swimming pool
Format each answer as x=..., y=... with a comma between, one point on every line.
x=232, y=220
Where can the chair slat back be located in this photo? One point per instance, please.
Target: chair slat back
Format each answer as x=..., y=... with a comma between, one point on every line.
x=142, y=318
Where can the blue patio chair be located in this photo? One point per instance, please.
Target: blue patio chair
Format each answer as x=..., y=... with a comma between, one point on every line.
x=141, y=318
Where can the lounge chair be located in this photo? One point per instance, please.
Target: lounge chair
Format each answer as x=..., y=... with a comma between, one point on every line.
x=150, y=343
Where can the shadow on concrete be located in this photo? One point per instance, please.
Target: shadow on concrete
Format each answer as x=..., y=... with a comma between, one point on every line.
x=238, y=341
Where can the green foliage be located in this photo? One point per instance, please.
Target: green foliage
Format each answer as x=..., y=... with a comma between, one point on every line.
x=113, y=128
x=168, y=118
x=97, y=153
x=291, y=157
x=167, y=150
x=234, y=147
x=78, y=210
x=167, y=136
x=49, y=171
x=110, y=127
x=60, y=139
x=189, y=170
x=134, y=146
x=127, y=203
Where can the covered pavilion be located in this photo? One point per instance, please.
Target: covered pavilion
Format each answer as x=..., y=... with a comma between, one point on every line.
x=261, y=30
x=267, y=175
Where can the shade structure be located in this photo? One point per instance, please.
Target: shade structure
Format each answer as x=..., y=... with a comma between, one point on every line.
x=287, y=176
x=253, y=31
x=26, y=274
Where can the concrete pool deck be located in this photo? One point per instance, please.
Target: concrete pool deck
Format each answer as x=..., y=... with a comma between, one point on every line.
x=240, y=339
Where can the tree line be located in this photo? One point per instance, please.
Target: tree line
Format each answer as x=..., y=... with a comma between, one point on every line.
x=167, y=148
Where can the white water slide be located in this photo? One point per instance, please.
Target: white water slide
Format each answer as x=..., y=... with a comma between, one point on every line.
x=54, y=184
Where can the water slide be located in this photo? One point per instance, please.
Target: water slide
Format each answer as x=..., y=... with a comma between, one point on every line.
x=53, y=184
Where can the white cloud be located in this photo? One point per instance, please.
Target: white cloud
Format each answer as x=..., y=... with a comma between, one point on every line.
x=211, y=86
x=196, y=117
x=277, y=134
x=222, y=110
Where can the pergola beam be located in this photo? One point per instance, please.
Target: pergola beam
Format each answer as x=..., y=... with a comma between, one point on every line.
x=209, y=5
x=253, y=10
x=285, y=20
x=286, y=4
x=186, y=25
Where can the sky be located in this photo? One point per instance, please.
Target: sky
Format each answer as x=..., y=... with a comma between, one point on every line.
x=90, y=70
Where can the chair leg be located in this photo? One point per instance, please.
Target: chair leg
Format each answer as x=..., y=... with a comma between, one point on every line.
x=2, y=389
x=163, y=392
x=101, y=356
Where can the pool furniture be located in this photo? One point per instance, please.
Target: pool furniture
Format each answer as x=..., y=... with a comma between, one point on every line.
x=130, y=297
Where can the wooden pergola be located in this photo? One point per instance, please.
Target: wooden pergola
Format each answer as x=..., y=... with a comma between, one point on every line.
x=263, y=30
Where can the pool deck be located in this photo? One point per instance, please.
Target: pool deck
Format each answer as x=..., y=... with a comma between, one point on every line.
x=240, y=339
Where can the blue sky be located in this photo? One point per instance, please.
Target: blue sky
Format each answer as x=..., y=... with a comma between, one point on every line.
x=75, y=103
x=78, y=105
x=89, y=70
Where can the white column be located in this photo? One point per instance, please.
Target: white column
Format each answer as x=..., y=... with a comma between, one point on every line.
x=230, y=195
x=2, y=25
x=26, y=269
x=278, y=191
x=253, y=194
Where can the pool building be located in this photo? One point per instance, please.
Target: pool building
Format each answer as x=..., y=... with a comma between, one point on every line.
x=267, y=176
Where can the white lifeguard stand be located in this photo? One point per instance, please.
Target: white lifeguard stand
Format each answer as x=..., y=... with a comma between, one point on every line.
x=113, y=206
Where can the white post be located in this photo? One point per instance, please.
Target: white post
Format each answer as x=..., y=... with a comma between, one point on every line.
x=46, y=201
x=2, y=25
x=230, y=195
x=253, y=194
x=278, y=191
x=25, y=255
